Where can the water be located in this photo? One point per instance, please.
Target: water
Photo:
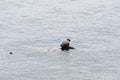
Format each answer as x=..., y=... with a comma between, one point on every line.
x=34, y=29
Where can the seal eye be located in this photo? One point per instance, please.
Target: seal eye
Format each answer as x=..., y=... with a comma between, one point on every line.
x=69, y=40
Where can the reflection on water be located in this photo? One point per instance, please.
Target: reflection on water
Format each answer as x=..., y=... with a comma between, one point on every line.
x=33, y=31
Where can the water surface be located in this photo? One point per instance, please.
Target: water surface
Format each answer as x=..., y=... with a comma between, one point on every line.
x=34, y=29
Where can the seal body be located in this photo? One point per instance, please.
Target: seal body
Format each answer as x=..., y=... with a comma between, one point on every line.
x=65, y=45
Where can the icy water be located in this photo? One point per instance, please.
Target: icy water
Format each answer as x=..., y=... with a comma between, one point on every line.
x=34, y=29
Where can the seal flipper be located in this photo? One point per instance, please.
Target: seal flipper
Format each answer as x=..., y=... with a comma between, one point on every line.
x=70, y=47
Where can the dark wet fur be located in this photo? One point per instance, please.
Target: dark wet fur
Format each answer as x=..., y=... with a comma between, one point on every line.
x=67, y=48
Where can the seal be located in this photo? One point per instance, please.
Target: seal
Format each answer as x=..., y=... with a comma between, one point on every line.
x=65, y=45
